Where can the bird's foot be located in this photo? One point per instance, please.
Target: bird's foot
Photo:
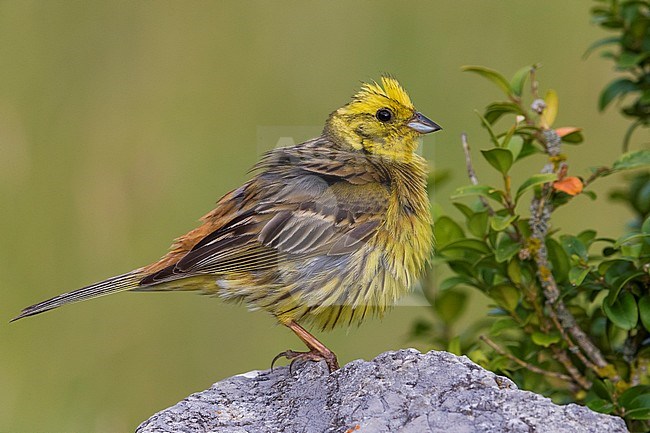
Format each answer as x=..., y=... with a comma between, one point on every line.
x=329, y=357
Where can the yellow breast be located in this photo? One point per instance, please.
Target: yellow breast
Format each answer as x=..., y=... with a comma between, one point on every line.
x=407, y=234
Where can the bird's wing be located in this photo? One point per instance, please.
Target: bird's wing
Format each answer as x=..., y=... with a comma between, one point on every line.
x=315, y=206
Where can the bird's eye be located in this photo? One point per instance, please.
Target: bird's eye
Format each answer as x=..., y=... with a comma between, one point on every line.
x=384, y=115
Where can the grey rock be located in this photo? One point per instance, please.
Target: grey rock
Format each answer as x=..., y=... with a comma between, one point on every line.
x=403, y=391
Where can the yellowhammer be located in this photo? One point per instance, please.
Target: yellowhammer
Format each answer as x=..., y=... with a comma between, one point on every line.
x=328, y=231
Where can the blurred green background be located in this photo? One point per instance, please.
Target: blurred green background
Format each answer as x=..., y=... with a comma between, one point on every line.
x=121, y=123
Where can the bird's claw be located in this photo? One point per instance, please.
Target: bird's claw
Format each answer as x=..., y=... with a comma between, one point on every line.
x=314, y=356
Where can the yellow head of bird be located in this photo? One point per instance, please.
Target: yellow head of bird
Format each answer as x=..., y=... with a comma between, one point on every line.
x=381, y=120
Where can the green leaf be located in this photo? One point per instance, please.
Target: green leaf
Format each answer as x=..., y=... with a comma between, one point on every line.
x=461, y=267
x=630, y=160
x=603, y=388
x=644, y=311
x=506, y=248
x=528, y=149
x=640, y=193
x=503, y=324
x=577, y=275
x=617, y=88
x=488, y=126
x=491, y=75
x=631, y=59
x=499, y=362
x=608, y=55
x=436, y=178
x=631, y=250
x=630, y=239
x=600, y=405
x=477, y=224
x=640, y=413
x=454, y=346
x=515, y=145
x=499, y=158
x=495, y=110
x=545, y=340
x=480, y=190
x=592, y=195
x=446, y=230
x=478, y=356
x=421, y=328
x=574, y=247
x=636, y=402
x=518, y=80
x=600, y=43
x=533, y=181
x=500, y=223
x=506, y=296
x=519, y=273
x=587, y=236
x=627, y=398
x=623, y=312
x=613, y=269
x=449, y=305
x=524, y=227
x=453, y=282
x=645, y=227
x=559, y=260
x=621, y=281
x=466, y=245
x=466, y=210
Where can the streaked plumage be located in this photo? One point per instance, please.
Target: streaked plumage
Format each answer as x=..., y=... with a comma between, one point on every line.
x=327, y=231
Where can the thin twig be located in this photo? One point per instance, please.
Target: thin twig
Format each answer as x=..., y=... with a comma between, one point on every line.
x=533, y=83
x=521, y=362
x=541, y=209
x=564, y=320
x=575, y=350
x=600, y=172
x=562, y=357
x=581, y=338
x=471, y=173
x=468, y=159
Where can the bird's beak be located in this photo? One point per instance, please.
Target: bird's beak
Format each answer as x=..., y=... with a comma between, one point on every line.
x=423, y=124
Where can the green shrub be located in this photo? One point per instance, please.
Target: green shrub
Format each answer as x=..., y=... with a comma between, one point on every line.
x=571, y=311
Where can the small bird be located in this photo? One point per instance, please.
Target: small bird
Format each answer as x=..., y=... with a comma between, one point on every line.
x=328, y=231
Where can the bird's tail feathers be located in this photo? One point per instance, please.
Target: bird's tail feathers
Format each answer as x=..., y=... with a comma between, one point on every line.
x=115, y=284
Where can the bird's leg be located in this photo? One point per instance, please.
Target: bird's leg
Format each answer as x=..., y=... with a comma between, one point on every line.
x=317, y=350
